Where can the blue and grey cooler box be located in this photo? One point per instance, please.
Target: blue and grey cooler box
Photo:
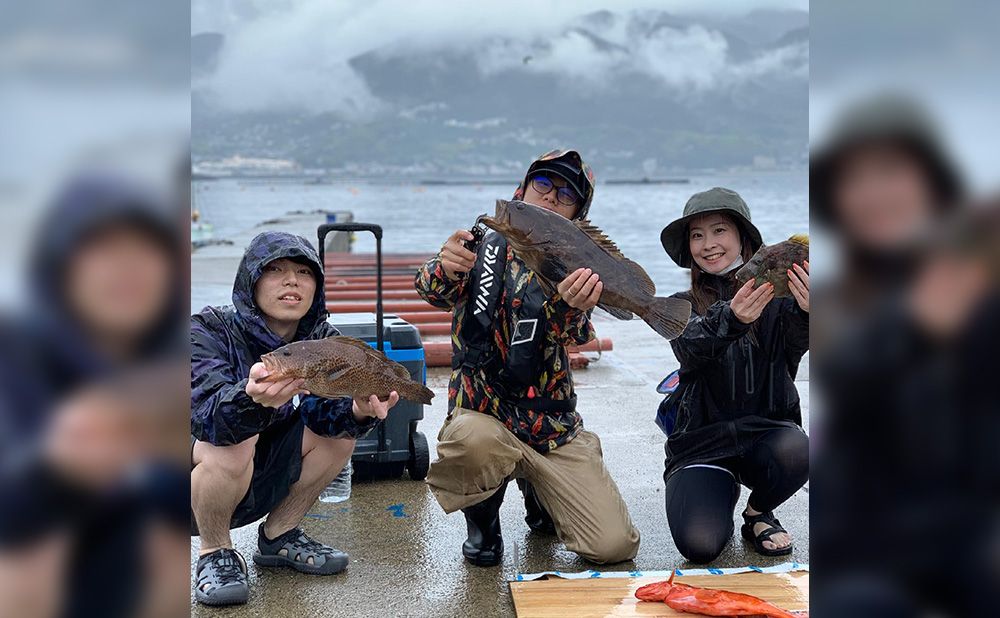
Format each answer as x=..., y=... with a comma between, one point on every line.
x=396, y=444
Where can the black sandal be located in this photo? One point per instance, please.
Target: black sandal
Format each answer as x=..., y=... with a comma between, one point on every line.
x=300, y=553
x=774, y=527
x=222, y=578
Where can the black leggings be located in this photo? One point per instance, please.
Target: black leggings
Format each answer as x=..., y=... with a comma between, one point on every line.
x=701, y=498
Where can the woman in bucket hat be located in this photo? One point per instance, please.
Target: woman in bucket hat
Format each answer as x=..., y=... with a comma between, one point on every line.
x=737, y=415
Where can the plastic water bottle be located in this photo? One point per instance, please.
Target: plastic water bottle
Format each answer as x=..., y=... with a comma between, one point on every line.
x=339, y=488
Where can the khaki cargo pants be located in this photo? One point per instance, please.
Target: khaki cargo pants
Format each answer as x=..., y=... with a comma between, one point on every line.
x=476, y=453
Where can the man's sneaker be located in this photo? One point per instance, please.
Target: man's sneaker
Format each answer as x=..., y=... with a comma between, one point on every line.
x=295, y=550
x=222, y=578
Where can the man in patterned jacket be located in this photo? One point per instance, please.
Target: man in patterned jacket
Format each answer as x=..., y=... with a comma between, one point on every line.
x=511, y=398
x=264, y=448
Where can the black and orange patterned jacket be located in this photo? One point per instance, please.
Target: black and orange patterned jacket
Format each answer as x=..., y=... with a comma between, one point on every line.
x=472, y=389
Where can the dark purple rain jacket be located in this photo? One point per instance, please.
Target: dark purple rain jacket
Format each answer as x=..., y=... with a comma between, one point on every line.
x=227, y=341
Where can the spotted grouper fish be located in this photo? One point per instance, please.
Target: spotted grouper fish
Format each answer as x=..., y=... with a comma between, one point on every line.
x=343, y=367
x=771, y=263
x=553, y=247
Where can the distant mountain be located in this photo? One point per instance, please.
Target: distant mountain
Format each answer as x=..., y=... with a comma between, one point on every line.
x=640, y=93
x=761, y=26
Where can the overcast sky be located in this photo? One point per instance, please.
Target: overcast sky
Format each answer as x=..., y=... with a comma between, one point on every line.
x=407, y=18
x=294, y=53
x=943, y=57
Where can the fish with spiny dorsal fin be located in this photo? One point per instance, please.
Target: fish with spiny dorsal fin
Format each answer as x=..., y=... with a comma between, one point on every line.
x=553, y=247
x=771, y=264
x=710, y=601
x=343, y=367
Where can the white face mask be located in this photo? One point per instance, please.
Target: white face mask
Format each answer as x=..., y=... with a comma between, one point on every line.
x=736, y=264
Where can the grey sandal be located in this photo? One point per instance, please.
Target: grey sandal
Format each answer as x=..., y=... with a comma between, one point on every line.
x=295, y=550
x=222, y=578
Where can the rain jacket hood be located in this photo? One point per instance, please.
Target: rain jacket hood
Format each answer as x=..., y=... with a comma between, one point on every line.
x=227, y=341
x=264, y=249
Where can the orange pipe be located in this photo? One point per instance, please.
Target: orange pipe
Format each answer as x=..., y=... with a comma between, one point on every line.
x=336, y=274
x=334, y=294
x=334, y=255
x=369, y=270
x=393, y=307
x=368, y=287
x=341, y=256
x=437, y=353
x=437, y=328
x=369, y=281
x=387, y=262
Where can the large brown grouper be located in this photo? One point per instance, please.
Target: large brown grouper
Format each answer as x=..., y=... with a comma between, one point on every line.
x=343, y=367
x=553, y=247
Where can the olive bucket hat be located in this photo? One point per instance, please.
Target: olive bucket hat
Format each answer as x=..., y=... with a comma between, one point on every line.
x=674, y=236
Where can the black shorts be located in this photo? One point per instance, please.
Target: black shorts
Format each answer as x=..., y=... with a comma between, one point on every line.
x=277, y=464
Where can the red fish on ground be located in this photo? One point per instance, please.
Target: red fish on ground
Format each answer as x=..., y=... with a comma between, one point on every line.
x=708, y=602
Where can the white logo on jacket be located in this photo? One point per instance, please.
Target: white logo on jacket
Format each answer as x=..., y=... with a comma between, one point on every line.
x=490, y=255
x=522, y=332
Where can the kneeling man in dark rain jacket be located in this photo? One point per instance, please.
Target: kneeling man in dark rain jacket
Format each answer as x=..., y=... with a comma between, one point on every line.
x=264, y=448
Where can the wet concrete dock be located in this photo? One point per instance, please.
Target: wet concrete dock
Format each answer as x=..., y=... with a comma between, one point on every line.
x=405, y=552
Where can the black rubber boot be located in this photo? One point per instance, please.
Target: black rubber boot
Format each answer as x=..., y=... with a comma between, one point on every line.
x=538, y=519
x=484, y=547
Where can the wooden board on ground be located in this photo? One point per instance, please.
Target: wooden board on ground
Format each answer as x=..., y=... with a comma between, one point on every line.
x=555, y=597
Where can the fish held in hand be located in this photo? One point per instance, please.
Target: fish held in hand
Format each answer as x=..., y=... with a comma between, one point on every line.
x=553, y=247
x=771, y=264
x=343, y=367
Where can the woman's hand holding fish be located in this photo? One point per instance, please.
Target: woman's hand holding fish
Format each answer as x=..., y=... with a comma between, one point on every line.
x=374, y=408
x=798, y=284
x=581, y=289
x=272, y=394
x=749, y=303
x=456, y=260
